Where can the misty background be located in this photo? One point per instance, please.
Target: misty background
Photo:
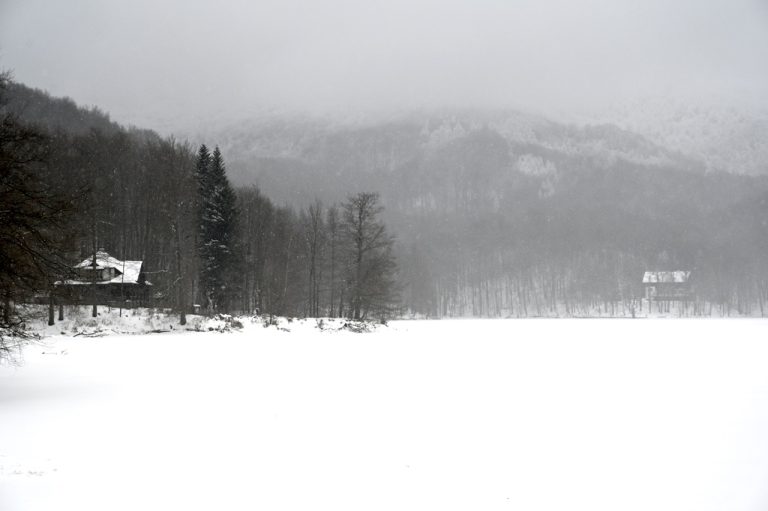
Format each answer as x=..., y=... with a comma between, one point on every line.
x=532, y=158
x=290, y=172
x=169, y=65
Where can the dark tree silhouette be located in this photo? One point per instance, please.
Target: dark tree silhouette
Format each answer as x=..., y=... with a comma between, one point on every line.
x=218, y=243
x=34, y=224
x=371, y=266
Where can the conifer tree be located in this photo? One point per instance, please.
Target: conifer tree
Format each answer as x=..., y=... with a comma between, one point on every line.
x=202, y=172
x=217, y=233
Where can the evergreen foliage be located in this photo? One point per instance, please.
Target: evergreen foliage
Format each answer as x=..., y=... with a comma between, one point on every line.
x=217, y=242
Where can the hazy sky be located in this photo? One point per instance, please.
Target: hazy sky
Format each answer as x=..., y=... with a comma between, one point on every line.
x=152, y=62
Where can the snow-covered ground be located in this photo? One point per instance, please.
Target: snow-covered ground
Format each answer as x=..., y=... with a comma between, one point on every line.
x=420, y=415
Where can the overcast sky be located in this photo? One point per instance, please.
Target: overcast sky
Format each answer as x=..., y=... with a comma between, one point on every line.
x=150, y=61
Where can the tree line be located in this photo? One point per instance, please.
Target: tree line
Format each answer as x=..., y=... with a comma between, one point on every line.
x=489, y=225
x=485, y=226
x=66, y=192
x=35, y=219
x=254, y=256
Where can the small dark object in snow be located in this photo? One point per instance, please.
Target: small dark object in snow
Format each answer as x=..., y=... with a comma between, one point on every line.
x=359, y=327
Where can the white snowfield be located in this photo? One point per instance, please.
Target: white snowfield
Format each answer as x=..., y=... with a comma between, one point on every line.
x=597, y=415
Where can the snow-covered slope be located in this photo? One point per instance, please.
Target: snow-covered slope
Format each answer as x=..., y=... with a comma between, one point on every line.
x=298, y=137
x=725, y=137
x=274, y=150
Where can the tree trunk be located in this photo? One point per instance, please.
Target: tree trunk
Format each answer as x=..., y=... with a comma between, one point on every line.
x=94, y=313
x=50, y=309
x=7, y=308
x=181, y=292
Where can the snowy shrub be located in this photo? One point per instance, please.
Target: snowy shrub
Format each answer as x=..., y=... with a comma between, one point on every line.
x=358, y=327
x=269, y=321
x=11, y=343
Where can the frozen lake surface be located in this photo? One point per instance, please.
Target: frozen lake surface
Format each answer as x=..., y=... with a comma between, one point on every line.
x=423, y=415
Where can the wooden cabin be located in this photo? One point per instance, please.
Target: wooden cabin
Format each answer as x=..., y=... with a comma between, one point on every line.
x=106, y=279
x=668, y=285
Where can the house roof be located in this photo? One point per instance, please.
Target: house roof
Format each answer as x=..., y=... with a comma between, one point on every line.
x=666, y=277
x=130, y=270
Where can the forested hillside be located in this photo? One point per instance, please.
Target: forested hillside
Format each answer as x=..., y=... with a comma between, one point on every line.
x=141, y=197
x=504, y=213
x=493, y=214
x=723, y=136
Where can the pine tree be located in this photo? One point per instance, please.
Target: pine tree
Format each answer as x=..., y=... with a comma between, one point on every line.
x=217, y=240
x=202, y=173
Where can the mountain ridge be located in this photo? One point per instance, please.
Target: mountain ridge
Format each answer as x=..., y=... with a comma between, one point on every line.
x=502, y=214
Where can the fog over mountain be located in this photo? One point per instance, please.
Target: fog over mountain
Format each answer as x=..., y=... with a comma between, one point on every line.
x=723, y=136
x=306, y=199
x=532, y=158
x=688, y=76
x=178, y=64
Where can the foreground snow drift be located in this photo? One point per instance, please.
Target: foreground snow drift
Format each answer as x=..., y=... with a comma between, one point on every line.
x=483, y=414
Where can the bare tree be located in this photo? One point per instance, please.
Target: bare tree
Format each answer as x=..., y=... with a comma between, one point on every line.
x=332, y=229
x=314, y=240
x=176, y=165
x=33, y=222
x=370, y=264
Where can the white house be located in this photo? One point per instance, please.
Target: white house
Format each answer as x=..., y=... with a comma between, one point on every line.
x=668, y=285
x=108, y=278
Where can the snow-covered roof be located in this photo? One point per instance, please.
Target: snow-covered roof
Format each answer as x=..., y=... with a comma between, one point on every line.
x=130, y=270
x=666, y=277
